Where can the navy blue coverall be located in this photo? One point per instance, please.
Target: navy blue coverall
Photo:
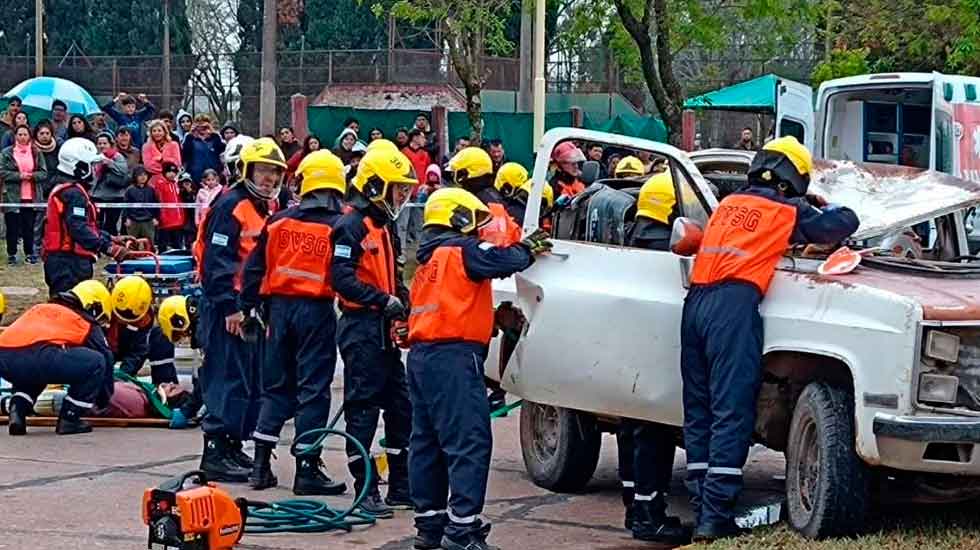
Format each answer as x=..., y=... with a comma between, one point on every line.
x=365, y=273
x=229, y=376
x=449, y=460
x=300, y=353
x=722, y=340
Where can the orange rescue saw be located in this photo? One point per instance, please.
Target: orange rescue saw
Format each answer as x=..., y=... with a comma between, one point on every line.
x=190, y=513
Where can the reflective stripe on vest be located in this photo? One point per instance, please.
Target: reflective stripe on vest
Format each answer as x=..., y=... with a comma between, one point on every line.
x=376, y=266
x=49, y=324
x=250, y=222
x=744, y=240
x=446, y=304
x=297, y=259
x=57, y=237
x=502, y=229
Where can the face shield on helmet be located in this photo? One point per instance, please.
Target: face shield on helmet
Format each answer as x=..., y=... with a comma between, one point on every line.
x=510, y=178
x=264, y=167
x=470, y=165
x=386, y=179
x=567, y=156
x=784, y=164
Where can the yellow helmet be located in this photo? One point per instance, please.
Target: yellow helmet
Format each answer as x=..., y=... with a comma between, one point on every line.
x=261, y=151
x=3, y=305
x=173, y=317
x=783, y=162
x=95, y=300
x=380, y=173
x=510, y=178
x=321, y=170
x=131, y=298
x=657, y=198
x=547, y=194
x=628, y=167
x=455, y=208
x=470, y=163
x=382, y=144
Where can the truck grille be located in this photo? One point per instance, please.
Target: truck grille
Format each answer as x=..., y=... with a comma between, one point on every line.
x=966, y=369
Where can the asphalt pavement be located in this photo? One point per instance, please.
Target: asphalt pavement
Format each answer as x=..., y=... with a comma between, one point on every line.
x=84, y=492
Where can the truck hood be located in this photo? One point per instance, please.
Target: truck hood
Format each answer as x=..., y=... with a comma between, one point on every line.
x=890, y=198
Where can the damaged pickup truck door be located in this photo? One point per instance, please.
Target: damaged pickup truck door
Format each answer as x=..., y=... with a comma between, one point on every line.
x=622, y=305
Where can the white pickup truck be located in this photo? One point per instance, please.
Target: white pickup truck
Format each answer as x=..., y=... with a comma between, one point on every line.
x=870, y=378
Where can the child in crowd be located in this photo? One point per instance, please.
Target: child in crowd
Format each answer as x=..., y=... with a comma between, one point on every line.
x=141, y=222
x=171, y=219
x=188, y=195
x=210, y=189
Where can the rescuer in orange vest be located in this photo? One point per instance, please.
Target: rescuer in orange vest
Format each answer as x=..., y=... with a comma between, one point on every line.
x=374, y=300
x=289, y=274
x=473, y=171
x=230, y=374
x=72, y=240
x=60, y=342
x=449, y=328
x=567, y=158
x=721, y=329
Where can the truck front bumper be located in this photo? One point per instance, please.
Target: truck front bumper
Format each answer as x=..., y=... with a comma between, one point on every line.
x=938, y=444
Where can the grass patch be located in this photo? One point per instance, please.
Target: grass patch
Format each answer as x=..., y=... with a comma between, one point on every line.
x=913, y=526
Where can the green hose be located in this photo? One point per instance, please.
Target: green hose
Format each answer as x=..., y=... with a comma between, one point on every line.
x=312, y=516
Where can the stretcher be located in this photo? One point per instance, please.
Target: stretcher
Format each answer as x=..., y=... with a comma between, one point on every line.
x=168, y=274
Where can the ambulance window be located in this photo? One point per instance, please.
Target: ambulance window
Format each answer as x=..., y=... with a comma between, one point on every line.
x=944, y=141
x=790, y=127
x=691, y=204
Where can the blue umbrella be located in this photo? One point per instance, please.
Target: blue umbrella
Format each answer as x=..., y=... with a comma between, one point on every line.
x=40, y=92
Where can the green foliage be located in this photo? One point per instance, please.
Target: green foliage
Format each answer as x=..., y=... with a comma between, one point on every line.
x=914, y=35
x=841, y=63
x=120, y=27
x=485, y=18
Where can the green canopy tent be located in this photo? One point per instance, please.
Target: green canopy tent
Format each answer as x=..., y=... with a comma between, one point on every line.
x=752, y=96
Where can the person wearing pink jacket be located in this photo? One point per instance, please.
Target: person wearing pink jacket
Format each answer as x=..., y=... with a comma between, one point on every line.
x=160, y=148
x=210, y=189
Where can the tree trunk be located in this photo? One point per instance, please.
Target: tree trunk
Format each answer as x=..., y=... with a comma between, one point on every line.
x=657, y=64
x=465, y=54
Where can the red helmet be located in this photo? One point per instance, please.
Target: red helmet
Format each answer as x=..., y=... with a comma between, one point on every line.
x=567, y=152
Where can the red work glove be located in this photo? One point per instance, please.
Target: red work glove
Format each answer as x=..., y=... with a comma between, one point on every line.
x=399, y=334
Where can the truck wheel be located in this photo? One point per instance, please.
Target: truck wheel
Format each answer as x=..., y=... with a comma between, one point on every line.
x=826, y=482
x=560, y=446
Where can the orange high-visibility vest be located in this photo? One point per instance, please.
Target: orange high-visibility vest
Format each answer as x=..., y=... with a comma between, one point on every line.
x=46, y=324
x=297, y=259
x=376, y=266
x=57, y=238
x=448, y=306
x=502, y=229
x=249, y=220
x=745, y=238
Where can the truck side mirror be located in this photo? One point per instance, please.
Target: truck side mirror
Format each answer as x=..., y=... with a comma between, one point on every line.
x=590, y=172
x=685, y=238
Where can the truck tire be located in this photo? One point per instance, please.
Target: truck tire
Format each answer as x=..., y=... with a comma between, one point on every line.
x=560, y=446
x=827, y=491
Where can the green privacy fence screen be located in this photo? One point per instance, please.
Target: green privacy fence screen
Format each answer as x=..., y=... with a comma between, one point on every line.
x=514, y=129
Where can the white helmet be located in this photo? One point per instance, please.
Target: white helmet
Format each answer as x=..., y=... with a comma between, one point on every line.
x=233, y=149
x=76, y=158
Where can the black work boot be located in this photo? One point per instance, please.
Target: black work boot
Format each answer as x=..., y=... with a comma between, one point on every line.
x=20, y=409
x=652, y=524
x=372, y=503
x=474, y=540
x=238, y=455
x=708, y=532
x=70, y=420
x=262, y=476
x=398, y=497
x=430, y=531
x=497, y=399
x=218, y=464
x=311, y=480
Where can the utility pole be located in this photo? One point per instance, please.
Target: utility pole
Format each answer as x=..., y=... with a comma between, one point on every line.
x=166, y=55
x=539, y=83
x=525, y=98
x=267, y=92
x=38, y=37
